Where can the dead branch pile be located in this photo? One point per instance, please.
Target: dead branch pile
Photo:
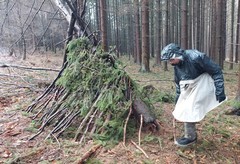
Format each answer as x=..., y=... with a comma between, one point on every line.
x=92, y=94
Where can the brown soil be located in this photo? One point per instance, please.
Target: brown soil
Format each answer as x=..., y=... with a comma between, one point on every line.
x=218, y=134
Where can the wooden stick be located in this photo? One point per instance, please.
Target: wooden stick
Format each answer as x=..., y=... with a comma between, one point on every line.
x=107, y=119
x=89, y=122
x=43, y=106
x=129, y=114
x=59, y=145
x=47, y=91
x=88, y=154
x=66, y=124
x=125, y=126
x=140, y=149
x=95, y=124
x=140, y=129
x=174, y=130
x=89, y=114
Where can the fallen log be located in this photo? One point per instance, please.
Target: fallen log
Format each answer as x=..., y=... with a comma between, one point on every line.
x=3, y=65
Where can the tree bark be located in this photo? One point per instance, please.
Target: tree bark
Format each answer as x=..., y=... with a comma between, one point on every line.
x=238, y=34
x=218, y=32
x=69, y=36
x=165, y=30
x=184, y=25
x=237, y=49
x=157, y=33
x=117, y=29
x=137, y=33
x=152, y=25
x=103, y=15
x=231, y=36
x=145, y=36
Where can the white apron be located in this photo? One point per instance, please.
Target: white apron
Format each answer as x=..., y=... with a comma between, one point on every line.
x=197, y=98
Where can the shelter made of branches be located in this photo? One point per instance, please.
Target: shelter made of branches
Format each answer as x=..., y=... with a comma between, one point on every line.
x=92, y=94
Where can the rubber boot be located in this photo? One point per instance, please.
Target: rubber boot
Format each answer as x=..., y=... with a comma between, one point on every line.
x=190, y=130
x=190, y=135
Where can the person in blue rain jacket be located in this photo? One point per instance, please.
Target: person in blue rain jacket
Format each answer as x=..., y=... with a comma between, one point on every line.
x=198, y=80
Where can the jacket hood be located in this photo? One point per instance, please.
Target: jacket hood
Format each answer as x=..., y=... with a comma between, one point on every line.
x=172, y=51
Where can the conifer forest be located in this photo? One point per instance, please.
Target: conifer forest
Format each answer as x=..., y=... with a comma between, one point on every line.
x=81, y=81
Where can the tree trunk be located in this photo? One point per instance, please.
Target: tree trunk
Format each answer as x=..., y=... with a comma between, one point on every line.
x=130, y=34
x=202, y=26
x=157, y=33
x=97, y=10
x=69, y=36
x=65, y=10
x=109, y=25
x=218, y=32
x=207, y=27
x=223, y=18
x=197, y=24
x=213, y=31
x=103, y=15
x=231, y=36
x=24, y=47
x=184, y=25
x=238, y=34
x=237, y=50
x=152, y=25
x=145, y=36
x=117, y=29
x=165, y=30
x=137, y=33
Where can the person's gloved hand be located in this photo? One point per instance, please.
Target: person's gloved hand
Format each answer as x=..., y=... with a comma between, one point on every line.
x=220, y=98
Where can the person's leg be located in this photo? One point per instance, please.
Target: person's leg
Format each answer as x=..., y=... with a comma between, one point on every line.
x=190, y=135
x=190, y=130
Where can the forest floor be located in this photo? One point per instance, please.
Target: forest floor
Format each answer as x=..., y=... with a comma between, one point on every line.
x=218, y=134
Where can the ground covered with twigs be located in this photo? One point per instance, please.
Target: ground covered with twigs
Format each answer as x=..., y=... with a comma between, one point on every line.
x=218, y=134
